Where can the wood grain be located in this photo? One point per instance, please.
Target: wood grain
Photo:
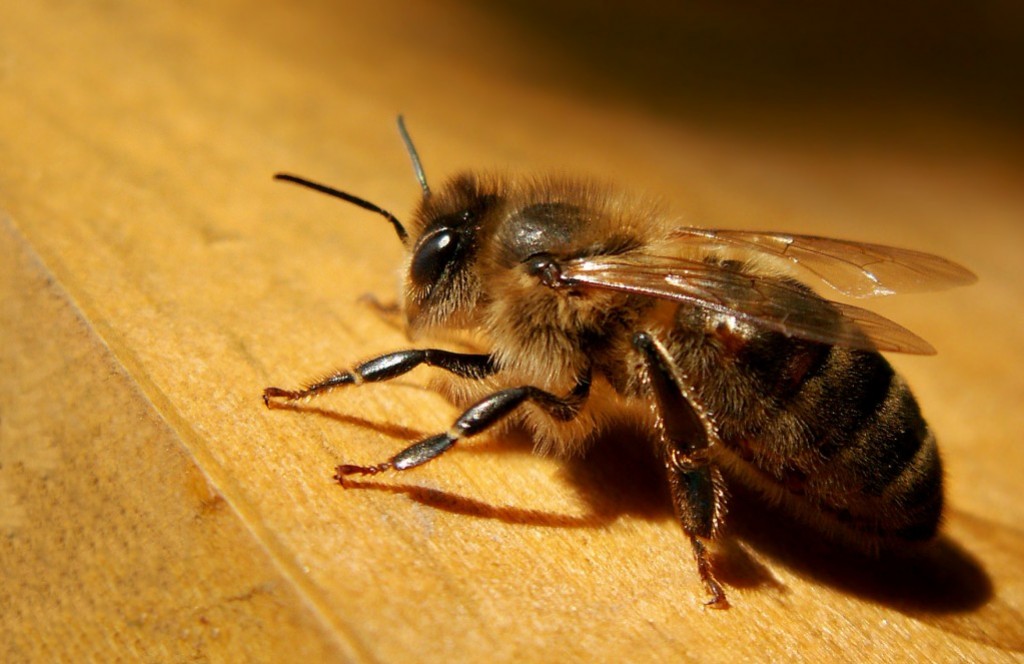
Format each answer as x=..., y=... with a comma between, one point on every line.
x=155, y=280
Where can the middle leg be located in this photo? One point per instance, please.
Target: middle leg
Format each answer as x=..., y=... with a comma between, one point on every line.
x=478, y=418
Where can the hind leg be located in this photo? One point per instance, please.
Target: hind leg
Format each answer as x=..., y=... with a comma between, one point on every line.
x=686, y=435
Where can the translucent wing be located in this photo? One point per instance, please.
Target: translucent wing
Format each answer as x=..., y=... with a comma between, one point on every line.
x=768, y=303
x=856, y=269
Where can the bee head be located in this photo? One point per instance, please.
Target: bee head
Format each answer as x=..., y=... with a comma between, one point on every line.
x=441, y=285
x=445, y=239
x=440, y=288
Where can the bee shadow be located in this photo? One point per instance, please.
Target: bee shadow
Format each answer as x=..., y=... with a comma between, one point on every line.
x=940, y=583
x=391, y=430
x=940, y=577
x=620, y=476
x=611, y=484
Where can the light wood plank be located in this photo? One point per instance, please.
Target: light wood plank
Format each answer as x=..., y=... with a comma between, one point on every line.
x=155, y=280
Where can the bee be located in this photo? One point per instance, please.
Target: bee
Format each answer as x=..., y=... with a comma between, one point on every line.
x=597, y=307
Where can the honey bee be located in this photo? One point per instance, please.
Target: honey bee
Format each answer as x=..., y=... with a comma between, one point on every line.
x=597, y=307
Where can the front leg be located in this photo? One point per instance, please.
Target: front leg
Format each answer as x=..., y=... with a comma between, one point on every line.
x=388, y=366
x=686, y=436
x=478, y=418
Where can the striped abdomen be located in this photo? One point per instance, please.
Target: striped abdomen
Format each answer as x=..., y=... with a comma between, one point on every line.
x=833, y=432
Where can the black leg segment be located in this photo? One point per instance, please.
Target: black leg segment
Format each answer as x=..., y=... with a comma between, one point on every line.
x=392, y=365
x=478, y=418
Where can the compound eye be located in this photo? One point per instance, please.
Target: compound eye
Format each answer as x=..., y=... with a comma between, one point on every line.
x=432, y=256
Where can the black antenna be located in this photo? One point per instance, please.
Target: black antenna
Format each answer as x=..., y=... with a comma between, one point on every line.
x=417, y=167
x=355, y=200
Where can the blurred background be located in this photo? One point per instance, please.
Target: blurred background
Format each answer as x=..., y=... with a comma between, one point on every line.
x=733, y=113
x=857, y=119
x=938, y=72
x=940, y=75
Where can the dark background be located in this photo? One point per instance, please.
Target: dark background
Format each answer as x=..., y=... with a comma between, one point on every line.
x=942, y=72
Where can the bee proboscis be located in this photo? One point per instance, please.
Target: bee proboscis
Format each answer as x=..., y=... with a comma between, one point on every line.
x=596, y=307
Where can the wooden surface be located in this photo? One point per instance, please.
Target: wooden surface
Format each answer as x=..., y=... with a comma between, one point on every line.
x=154, y=280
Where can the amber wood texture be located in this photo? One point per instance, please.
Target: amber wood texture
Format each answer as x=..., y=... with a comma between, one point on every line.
x=155, y=280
